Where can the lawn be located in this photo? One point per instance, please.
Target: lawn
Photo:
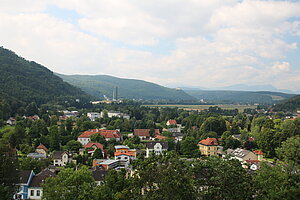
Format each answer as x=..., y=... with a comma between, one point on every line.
x=241, y=108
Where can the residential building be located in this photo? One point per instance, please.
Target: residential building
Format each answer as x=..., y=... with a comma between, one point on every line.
x=92, y=146
x=41, y=149
x=85, y=137
x=93, y=115
x=35, y=189
x=171, y=122
x=124, y=154
x=99, y=174
x=25, y=179
x=144, y=134
x=260, y=154
x=61, y=158
x=106, y=163
x=111, y=114
x=242, y=154
x=37, y=155
x=11, y=121
x=156, y=147
x=208, y=147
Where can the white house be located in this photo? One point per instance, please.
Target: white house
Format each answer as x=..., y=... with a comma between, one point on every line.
x=85, y=137
x=242, y=154
x=93, y=115
x=61, y=158
x=35, y=189
x=111, y=114
x=156, y=148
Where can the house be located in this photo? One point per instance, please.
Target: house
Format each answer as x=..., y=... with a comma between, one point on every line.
x=106, y=163
x=208, y=147
x=144, y=134
x=92, y=146
x=171, y=122
x=111, y=114
x=260, y=154
x=252, y=164
x=85, y=137
x=242, y=154
x=61, y=158
x=99, y=174
x=25, y=179
x=36, y=155
x=124, y=155
x=41, y=149
x=35, y=189
x=93, y=116
x=11, y=121
x=156, y=148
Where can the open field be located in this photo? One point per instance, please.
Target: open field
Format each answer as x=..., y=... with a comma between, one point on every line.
x=241, y=108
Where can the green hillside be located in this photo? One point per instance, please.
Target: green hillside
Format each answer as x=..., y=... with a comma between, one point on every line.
x=238, y=97
x=99, y=85
x=26, y=81
x=291, y=104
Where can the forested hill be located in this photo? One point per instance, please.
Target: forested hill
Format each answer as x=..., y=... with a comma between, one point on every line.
x=26, y=81
x=99, y=85
x=241, y=97
x=291, y=104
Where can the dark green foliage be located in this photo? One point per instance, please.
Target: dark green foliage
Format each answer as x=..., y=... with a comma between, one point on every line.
x=291, y=104
x=100, y=85
x=97, y=154
x=74, y=145
x=8, y=171
x=25, y=82
x=189, y=148
x=34, y=164
x=215, y=124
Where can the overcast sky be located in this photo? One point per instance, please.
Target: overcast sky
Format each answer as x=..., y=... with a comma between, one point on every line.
x=200, y=43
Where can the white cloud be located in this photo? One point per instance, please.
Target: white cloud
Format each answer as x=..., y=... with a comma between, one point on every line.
x=216, y=42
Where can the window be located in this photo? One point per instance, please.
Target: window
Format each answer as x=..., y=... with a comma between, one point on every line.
x=31, y=192
x=38, y=193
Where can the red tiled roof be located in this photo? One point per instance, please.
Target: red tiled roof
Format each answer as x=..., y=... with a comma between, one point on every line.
x=251, y=139
x=104, y=133
x=172, y=122
x=98, y=145
x=145, y=132
x=41, y=146
x=123, y=153
x=209, y=142
x=160, y=137
x=252, y=161
x=258, y=152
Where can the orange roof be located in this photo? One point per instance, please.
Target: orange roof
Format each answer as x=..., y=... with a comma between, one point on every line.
x=252, y=161
x=41, y=146
x=172, y=121
x=129, y=153
x=258, y=152
x=98, y=145
x=209, y=142
x=145, y=132
x=104, y=133
x=160, y=137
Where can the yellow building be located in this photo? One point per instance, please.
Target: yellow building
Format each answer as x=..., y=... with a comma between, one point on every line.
x=208, y=147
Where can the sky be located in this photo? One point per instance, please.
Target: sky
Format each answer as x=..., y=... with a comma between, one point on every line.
x=191, y=43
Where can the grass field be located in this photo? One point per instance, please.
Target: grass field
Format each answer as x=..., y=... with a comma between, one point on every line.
x=241, y=108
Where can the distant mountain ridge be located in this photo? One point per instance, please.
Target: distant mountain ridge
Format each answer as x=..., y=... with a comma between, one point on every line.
x=100, y=85
x=27, y=81
x=291, y=104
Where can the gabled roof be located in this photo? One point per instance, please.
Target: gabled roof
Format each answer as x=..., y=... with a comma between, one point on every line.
x=104, y=133
x=145, y=132
x=129, y=153
x=39, y=179
x=24, y=176
x=240, y=153
x=150, y=145
x=41, y=146
x=209, y=142
x=160, y=137
x=58, y=154
x=91, y=144
x=258, y=152
x=172, y=121
x=121, y=147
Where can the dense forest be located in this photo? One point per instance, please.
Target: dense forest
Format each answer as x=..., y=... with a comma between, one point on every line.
x=99, y=85
x=291, y=104
x=24, y=82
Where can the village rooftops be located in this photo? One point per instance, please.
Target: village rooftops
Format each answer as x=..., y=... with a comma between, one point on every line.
x=172, y=122
x=145, y=132
x=104, y=133
x=24, y=176
x=121, y=147
x=240, y=153
x=96, y=144
x=209, y=142
x=151, y=145
x=39, y=178
x=41, y=146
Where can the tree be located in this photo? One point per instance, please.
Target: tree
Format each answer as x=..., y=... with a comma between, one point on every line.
x=74, y=145
x=99, y=138
x=289, y=150
x=69, y=184
x=216, y=124
x=189, y=148
x=8, y=171
x=54, y=138
x=97, y=154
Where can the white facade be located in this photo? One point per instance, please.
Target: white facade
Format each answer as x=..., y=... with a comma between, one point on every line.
x=157, y=150
x=84, y=141
x=63, y=160
x=35, y=193
x=93, y=115
x=111, y=114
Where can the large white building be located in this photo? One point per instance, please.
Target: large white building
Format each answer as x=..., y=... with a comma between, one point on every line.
x=93, y=115
x=156, y=148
